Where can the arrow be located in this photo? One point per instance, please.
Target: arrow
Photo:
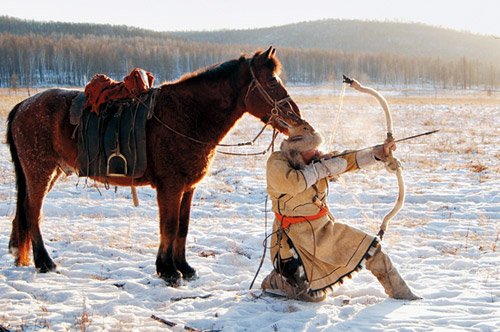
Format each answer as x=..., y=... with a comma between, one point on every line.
x=374, y=146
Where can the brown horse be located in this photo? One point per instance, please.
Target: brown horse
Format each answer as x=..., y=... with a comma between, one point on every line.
x=191, y=116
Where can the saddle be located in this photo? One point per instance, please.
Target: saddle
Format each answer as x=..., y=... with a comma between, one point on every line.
x=112, y=143
x=111, y=125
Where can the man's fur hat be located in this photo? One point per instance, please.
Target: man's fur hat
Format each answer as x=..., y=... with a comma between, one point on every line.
x=302, y=138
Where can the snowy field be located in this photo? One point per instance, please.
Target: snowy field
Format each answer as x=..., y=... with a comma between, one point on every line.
x=445, y=241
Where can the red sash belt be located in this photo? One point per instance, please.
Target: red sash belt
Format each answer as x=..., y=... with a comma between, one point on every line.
x=287, y=221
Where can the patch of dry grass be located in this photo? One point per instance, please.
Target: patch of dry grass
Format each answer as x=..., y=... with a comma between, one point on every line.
x=9, y=98
x=452, y=100
x=476, y=167
x=494, y=245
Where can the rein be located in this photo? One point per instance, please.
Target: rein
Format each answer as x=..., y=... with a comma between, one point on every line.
x=207, y=143
x=270, y=147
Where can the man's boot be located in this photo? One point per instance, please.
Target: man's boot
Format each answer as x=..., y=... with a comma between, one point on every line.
x=277, y=284
x=381, y=266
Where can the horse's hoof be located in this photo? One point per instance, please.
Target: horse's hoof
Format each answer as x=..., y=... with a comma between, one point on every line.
x=188, y=273
x=192, y=277
x=45, y=267
x=171, y=280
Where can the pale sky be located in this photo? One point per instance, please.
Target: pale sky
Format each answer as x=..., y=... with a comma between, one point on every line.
x=477, y=16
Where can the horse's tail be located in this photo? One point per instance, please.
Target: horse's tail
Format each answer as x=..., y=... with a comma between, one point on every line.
x=20, y=177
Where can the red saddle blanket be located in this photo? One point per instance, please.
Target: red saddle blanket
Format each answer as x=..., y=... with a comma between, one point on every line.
x=102, y=89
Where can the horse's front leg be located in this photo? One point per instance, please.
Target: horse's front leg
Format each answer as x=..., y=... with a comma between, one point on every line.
x=168, y=204
x=180, y=242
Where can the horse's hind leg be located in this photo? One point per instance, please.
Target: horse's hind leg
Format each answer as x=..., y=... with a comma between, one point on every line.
x=38, y=187
x=21, y=231
x=26, y=224
x=180, y=241
x=55, y=176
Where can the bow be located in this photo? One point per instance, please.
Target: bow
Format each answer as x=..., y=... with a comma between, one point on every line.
x=392, y=164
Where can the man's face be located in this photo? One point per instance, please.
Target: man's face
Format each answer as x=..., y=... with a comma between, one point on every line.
x=309, y=155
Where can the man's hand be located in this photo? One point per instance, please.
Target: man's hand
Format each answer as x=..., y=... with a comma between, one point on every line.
x=382, y=152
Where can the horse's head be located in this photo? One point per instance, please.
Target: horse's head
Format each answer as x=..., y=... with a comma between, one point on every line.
x=266, y=96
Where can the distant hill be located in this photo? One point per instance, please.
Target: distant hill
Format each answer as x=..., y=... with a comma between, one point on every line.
x=18, y=26
x=60, y=53
x=353, y=36
x=410, y=39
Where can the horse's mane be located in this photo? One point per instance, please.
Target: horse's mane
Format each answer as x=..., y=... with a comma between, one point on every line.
x=214, y=72
x=226, y=69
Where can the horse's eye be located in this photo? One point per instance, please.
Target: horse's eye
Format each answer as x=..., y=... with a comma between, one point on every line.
x=273, y=83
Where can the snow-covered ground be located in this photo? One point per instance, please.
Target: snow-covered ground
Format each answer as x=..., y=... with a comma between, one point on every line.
x=445, y=241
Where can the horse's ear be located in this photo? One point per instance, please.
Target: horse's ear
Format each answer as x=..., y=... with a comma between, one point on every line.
x=273, y=52
x=262, y=57
x=270, y=52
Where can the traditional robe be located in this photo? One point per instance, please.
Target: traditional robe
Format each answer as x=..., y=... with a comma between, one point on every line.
x=328, y=250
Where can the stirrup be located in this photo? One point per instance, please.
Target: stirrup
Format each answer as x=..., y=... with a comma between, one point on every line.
x=117, y=165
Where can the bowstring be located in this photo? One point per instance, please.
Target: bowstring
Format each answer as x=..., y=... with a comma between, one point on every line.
x=336, y=122
x=330, y=142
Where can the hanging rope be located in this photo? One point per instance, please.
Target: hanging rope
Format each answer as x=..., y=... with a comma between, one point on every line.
x=264, y=244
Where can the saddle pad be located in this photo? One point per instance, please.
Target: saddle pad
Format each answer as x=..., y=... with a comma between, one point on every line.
x=76, y=109
x=119, y=128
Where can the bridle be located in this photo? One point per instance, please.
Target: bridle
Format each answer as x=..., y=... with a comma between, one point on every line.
x=278, y=112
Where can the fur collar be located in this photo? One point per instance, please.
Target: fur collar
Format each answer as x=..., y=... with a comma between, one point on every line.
x=300, y=142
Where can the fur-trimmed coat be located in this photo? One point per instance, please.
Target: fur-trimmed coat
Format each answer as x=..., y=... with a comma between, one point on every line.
x=328, y=250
